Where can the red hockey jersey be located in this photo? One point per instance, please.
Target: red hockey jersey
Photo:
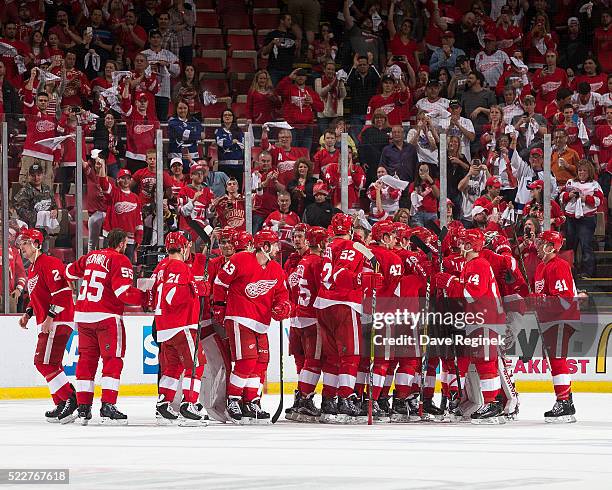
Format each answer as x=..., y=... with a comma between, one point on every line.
x=178, y=303
x=356, y=181
x=340, y=285
x=17, y=273
x=39, y=126
x=193, y=209
x=250, y=291
x=48, y=286
x=554, y=282
x=107, y=285
x=141, y=131
x=146, y=180
x=322, y=159
x=284, y=160
x=392, y=269
x=392, y=106
x=231, y=213
x=273, y=220
x=296, y=110
x=124, y=211
x=304, y=288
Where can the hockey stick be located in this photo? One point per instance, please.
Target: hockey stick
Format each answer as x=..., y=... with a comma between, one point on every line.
x=367, y=253
x=425, y=356
x=279, y=410
x=441, y=237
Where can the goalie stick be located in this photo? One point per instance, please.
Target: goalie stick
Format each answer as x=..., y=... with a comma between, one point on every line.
x=280, y=407
x=367, y=253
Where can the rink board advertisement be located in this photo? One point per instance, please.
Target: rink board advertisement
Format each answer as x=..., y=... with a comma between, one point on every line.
x=593, y=369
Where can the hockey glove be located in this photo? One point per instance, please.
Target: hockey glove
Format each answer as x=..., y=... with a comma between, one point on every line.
x=371, y=280
x=281, y=311
x=442, y=280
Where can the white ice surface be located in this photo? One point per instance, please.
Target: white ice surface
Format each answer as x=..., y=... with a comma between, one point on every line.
x=520, y=455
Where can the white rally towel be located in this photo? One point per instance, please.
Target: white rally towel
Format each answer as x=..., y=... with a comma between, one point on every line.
x=120, y=75
x=208, y=98
x=393, y=182
x=54, y=143
x=44, y=220
x=341, y=75
x=277, y=124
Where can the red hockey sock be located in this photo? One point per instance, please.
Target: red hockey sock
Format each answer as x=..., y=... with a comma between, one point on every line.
x=243, y=368
x=347, y=375
x=111, y=372
x=561, y=377
x=58, y=383
x=309, y=376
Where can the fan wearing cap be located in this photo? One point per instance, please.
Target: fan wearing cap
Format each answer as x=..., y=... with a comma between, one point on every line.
x=446, y=56
x=526, y=173
x=141, y=125
x=194, y=201
x=34, y=202
x=282, y=220
x=557, y=309
x=535, y=207
x=457, y=125
x=509, y=36
x=145, y=180
x=443, y=15
x=392, y=100
x=177, y=177
x=53, y=309
x=491, y=61
x=432, y=104
x=248, y=293
x=549, y=79
x=300, y=104
x=456, y=86
x=479, y=291
x=320, y=212
x=491, y=200
x=124, y=209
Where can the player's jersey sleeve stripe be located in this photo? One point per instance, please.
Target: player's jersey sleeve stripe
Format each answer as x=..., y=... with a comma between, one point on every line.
x=68, y=274
x=218, y=282
x=170, y=295
x=121, y=289
x=59, y=291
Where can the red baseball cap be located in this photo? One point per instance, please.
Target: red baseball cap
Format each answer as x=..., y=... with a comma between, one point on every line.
x=536, y=184
x=195, y=168
x=141, y=96
x=493, y=182
x=123, y=172
x=489, y=36
x=448, y=34
x=537, y=151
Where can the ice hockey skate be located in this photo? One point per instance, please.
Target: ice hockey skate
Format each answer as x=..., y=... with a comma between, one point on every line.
x=190, y=416
x=291, y=413
x=329, y=411
x=164, y=413
x=52, y=415
x=69, y=410
x=234, y=410
x=307, y=411
x=562, y=412
x=399, y=410
x=109, y=415
x=489, y=414
x=348, y=410
x=252, y=414
x=432, y=413
x=84, y=414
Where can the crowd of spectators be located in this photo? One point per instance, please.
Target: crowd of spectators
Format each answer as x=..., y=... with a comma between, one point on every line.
x=495, y=77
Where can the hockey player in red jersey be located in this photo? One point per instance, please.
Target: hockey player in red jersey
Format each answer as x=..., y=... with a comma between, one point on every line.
x=339, y=304
x=105, y=290
x=51, y=305
x=557, y=309
x=479, y=291
x=177, y=315
x=300, y=245
x=248, y=292
x=384, y=239
x=305, y=337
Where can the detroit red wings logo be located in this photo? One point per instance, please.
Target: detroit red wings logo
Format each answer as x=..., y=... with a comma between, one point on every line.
x=259, y=288
x=539, y=286
x=123, y=207
x=294, y=277
x=143, y=128
x=32, y=283
x=43, y=126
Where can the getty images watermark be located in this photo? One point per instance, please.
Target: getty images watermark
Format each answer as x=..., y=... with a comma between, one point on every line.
x=404, y=327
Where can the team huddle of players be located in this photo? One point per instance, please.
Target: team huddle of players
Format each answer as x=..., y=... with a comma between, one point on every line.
x=322, y=290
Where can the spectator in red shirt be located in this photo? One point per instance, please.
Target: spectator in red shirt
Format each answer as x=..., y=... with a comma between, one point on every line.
x=356, y=182
x=593, y=76
x=424, y=195
x=603, y=41
x=95, y=200
x=284, y=155
x=548, y=80
x=392, y=100
x=262, y=102
x=326, y=155
x=300, y=105
x=509, y=36
x=401, y=46
x=76, y=88
x=144, y=181
x=13, y=74
x=131, y=36
x=265, y=185
x=194, y=200
x=67, y=37
x=539, y=41
x=177, y=177
x=282, y=220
